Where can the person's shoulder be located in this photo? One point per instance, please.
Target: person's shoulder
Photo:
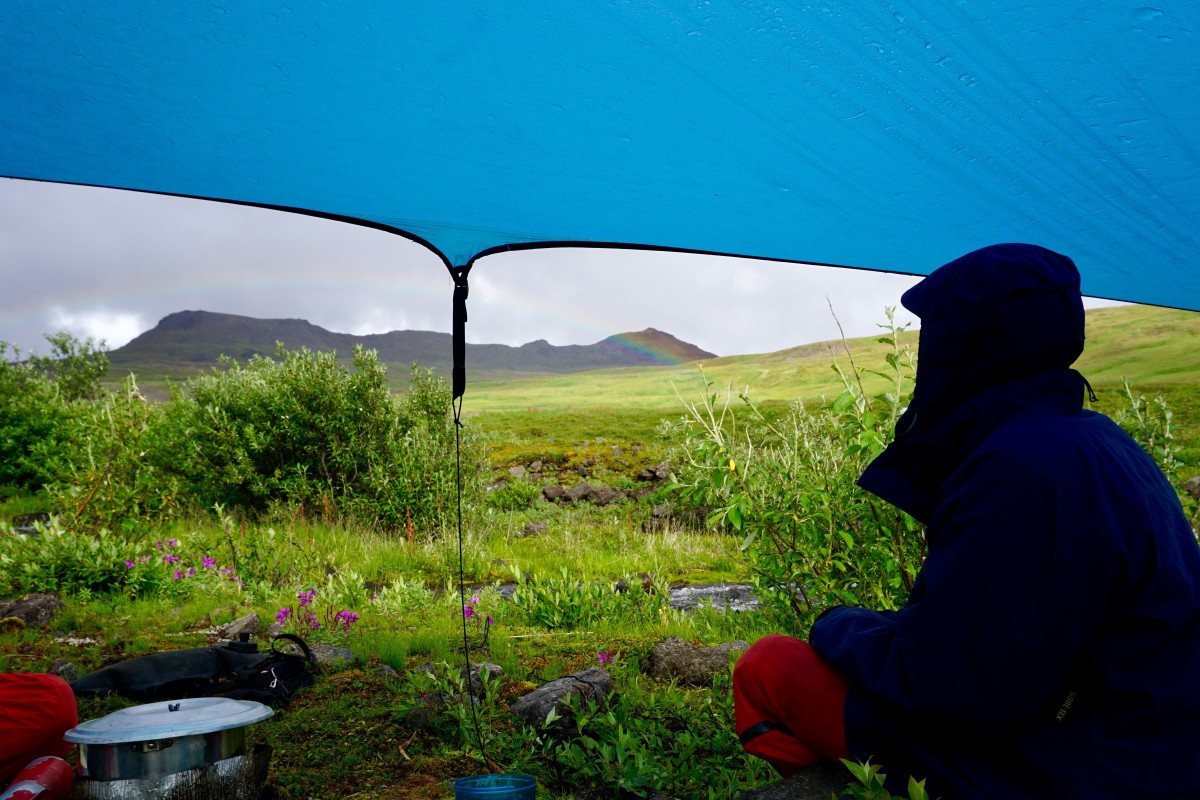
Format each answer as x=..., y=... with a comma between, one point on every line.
x=1047, y=440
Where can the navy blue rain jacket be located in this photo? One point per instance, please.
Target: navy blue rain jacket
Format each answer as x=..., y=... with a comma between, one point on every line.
x=1051, y=645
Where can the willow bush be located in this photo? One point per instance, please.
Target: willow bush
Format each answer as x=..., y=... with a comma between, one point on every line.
x=786, y=484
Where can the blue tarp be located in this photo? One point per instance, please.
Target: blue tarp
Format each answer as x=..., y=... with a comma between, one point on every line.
x=887, y=136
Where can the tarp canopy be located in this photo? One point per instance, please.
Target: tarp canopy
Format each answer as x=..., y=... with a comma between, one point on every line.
x=889, y=136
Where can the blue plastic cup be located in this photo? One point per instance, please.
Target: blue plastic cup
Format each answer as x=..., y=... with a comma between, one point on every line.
x=509, y=786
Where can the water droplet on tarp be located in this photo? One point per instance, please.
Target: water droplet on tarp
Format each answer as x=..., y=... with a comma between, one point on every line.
x=1147, y=13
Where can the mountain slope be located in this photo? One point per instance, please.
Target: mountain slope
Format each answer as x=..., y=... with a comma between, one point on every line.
x=187, y=340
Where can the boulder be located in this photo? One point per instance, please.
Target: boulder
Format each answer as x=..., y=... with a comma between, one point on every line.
x=687, y=664
x=494, y=672
x=328, y=657
x=553, y=493
x=656, y=473
x=34, y=610
x=605, y=495
x=248, y=624
x=534, y=529
x=589, y=686
x=579, y=493
x=819, y=782
x=64, y=669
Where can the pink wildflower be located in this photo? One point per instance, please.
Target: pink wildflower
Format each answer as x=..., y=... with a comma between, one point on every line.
x=209, y=562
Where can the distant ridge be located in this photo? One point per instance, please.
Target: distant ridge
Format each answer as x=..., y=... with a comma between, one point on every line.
x=194, y=339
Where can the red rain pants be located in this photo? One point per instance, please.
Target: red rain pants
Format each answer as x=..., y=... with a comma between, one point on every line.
x=788, y=704
x=35, y=711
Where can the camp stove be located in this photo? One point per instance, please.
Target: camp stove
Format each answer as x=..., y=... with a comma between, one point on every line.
x=191, y=748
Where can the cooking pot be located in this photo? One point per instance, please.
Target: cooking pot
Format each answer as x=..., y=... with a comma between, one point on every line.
x=157, y=739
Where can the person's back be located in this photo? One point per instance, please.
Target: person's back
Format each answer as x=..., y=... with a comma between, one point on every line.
x=1050, y=645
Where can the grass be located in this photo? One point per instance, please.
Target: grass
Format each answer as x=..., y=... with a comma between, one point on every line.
x=350, y=735
x=358, y=734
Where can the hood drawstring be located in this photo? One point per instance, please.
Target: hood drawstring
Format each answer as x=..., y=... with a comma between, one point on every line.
x=1091, y=394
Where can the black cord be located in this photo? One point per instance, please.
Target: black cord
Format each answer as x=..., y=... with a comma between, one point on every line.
x=456, y=406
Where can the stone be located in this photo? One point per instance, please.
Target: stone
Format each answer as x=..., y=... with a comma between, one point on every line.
x=605, y=495
x=328, y=656
x=517, y=472
x=64, y=669
x=536, y=466
x=386, y=671
x=819, y=782
x=248, y=624
x=34, y=610
x=680, y=661
x=553, y=493
x=722, y=596
x=1192, y=487
x=494, y=672
x=579, y=493
x=534, y=529
x=593, y=685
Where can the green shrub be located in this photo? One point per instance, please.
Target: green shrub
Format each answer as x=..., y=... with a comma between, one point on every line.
x=107, y=469
x=66, y=559
x=307, y=432
x=38, y=396
x=786, y=484
x=513, y=496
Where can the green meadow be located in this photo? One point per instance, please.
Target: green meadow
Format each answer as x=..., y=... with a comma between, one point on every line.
x=257, y=487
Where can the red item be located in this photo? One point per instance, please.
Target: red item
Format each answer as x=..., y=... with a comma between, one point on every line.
x=35, y=711
x=46, y=778
x=791, y=701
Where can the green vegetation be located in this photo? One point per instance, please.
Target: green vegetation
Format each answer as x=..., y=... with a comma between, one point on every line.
x=298, y=489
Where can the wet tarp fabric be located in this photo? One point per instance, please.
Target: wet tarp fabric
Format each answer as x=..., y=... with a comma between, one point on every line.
x=882, y=136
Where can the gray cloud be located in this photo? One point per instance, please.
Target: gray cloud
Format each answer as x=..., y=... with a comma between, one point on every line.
x=110, y=264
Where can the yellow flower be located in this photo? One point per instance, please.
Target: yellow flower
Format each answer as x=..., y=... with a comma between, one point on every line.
x=732, y=466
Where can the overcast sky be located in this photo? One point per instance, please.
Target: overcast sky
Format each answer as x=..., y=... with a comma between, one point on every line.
x=110, y=264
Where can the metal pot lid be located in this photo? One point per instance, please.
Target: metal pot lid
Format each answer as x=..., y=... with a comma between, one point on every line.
x=169, y=719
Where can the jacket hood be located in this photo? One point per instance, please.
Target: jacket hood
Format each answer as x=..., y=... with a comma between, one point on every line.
x=994, y=317
x=991, y=316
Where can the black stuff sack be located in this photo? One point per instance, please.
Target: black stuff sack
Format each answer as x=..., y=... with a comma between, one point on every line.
x=277, y=678
x=205, y=672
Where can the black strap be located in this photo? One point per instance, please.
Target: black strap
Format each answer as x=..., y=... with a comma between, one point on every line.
x=291, y=637
x=458, y=373
x=755, y=731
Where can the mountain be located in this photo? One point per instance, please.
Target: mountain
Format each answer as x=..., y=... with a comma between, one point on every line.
x=187, y=341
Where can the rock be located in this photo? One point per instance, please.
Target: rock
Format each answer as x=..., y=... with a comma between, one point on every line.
x=553, y=493
x=517, y=472
x=64, y=669
x=1192, y=487
x=579, y=493
x=589, y=686
x=328, y=656
x=506, y=590
x=249, y=624
x=30, y=524
x=589, y=462
x=681, y=661
x=494, y=672
x=536, y=466
x=534, y=529
x=656, y=473
x=605, y=495
x=722, y=596
x=819, y=782
x=386, y=671
x=34, y=610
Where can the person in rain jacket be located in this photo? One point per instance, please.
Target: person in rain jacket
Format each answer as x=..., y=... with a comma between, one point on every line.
x=1050, y=647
